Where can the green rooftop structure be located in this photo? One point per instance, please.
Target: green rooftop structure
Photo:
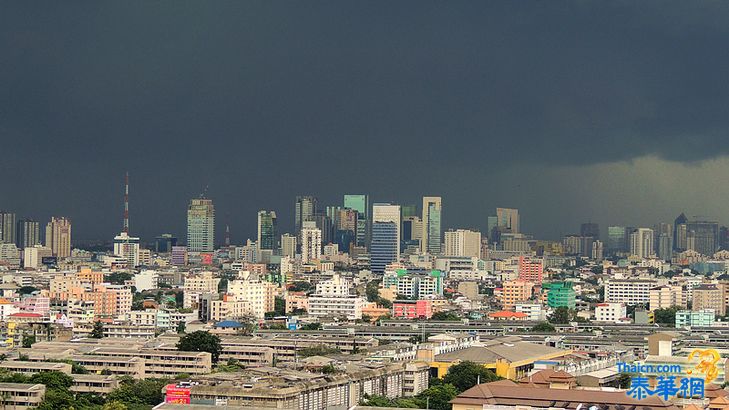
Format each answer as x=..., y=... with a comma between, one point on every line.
x=560, y=294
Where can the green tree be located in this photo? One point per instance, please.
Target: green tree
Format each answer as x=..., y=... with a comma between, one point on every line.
x=543, y=327
x=28, y=341
x=57, y=399
x=666, y=316
x=467, y=374
x=311, y=326
x=279, y=306
x=300, y=286
x=438, y=397
x=372, y=291
x=321, y=350
x=201, y=341
x=133, y=393
x=560, y=316
x=27, y=290
x=181, y=327
x=452, y=316
x=114, y=405
x=623, y=381
x=52, y=380
x=118, y=278
x=98, y=331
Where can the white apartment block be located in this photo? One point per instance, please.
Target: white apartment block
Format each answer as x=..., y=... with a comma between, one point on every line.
x=534, y=311
x=629, y=291
x=611, y=312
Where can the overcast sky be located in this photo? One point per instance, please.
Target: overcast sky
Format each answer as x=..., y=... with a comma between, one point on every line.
x=614, y=112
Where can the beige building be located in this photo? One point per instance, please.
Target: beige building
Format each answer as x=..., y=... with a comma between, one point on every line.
x=58, y=236
x=515, y=291
x=666, y=296
x=463, y=242
x=21, y=396
x=709, y=296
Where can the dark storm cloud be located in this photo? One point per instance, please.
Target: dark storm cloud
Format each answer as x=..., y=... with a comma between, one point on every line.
x=265, y=100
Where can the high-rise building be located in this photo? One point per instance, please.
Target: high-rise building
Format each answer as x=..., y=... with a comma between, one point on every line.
x=618, y=239
x=7, y=227
x=702, y=237
x=58, y=236
x=310, y=242
x=27, y=233
x=361, y=204
x=431, y=237
x=127, y=247
x=407, y=211
x=724, y=238
x=597, y=250
x=641, y=243
x=164, y=243
x=590, y=229
x=266, y=230
x=201, y=225
x=306, y=208
x=288, y=245
x=463, y=242
x=679, y=238
x=385, y=247
x=508, y=219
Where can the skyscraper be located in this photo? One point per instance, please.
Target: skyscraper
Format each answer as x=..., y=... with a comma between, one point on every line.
x=702, y=236
x=679, y=234
x=266, y=230
x=288, y=245
x=310, y=242
x=27, y=233
x=7, y=227
x=641, y=243
x=508, y=219
x=590, y=229
x=127, y=247
x=201, y=225
x=58, y=236
x=385, y=247
x=306, y=209
x=431, y=237
x=361, y=204
x=463, y=242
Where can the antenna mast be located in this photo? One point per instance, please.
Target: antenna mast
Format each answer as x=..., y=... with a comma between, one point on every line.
x=125, y=228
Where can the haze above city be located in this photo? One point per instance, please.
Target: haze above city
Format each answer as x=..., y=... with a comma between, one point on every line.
x=613, y=113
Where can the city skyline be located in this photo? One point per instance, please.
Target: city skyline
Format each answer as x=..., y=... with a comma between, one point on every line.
x=585, y=123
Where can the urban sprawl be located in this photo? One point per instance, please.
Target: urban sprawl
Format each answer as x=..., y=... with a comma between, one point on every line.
x=365, y=305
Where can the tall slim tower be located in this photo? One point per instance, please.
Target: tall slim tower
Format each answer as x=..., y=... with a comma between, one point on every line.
x=201, y=225
x=385, y=247
x=430, y=241
x=266, y=230
x=125, y=227
x=7, y=227
x=306, y=209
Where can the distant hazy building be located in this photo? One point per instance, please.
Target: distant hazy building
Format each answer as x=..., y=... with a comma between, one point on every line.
x=431, y=237
x=361, y=204
x=127, y=247
x=164, y=243
x=7, y=227
x=702, y=237
x=27, y=233
x=288, y=245
x=201, y=225
x=58, y=236
x=310, y=242
x=590, y=229
x=33, y=256
x=641, y=243
x=463, y=242
x=597, y=251
x=618, y=240
x=385, y=247
x=508, y=219
x=679, y=232
x=306, y=208
x=266, y=230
